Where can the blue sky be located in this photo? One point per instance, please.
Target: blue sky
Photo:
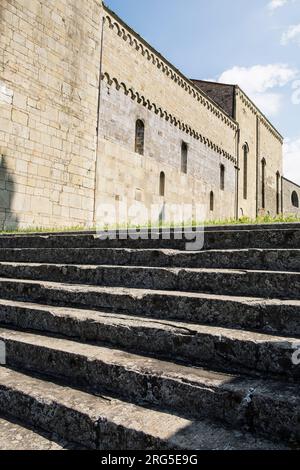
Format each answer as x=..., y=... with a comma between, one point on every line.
x=253, y=43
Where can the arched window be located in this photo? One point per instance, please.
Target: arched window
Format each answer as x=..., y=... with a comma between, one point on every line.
x=184, y=157
x=222, y=177
x=295, y=199
x=278, y=192
x=139, y=137
x=162, y=184
x=263, y=183
x=246, y=151
x=211, y=201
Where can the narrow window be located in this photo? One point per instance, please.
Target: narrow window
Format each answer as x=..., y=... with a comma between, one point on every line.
x=246, y=151
x=211, y=201
x=138, y=195
x=295, y=199
x=162, y=184
x=278, y=192
x=263, y=183
x=139, y=137
x=184, y=157
x=222, y=177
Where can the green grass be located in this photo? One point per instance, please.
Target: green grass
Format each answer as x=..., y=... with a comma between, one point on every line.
x=266, y=219
x=29, y=230
x=243, y=220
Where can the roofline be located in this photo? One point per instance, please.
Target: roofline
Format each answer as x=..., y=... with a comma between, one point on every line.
x=249, y=99
x=290, y=181
x=195, y=87
x=214, y=83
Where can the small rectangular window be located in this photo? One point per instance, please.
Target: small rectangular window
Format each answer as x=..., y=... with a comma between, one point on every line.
x=162, y=184
x=184, y=157
x=139, y=137
x=222, y=177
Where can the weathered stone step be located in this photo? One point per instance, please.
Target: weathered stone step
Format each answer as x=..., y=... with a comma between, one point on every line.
x=218, y=239
x=269, y=284
x=218, y=348
x=257, y=405
x=105, y=423
x=259, y=259
x=253, y=239
x=15, y=436
x=271, y=316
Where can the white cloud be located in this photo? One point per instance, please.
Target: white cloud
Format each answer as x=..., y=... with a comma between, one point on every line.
x=259, y=80
x=269, y=103
x=274, y=4
x=291, y=159
x=296, y=92
x=291, y=35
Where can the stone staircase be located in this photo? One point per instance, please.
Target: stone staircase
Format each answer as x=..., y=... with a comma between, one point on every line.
x=139, y=344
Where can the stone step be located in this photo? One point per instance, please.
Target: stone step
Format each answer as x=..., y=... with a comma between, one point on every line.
x=218, y=239
x=259, y=259
x=103, y=422
x=268, y=284
x=215, y=347
x=16, y=436
x=260, y=406
x=270, y=316
x=253, y=239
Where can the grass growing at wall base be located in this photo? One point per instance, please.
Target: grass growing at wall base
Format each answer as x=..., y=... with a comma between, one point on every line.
x=266, y=219
x=280, y=219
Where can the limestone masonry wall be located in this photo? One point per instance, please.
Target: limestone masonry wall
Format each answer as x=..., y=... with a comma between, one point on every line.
x=74, y=80
x=139, y=84
x=263, y=142
x=133, y=65
x=290, y=196
x=270, y=150
x=49, y=80
x=247, y=123
x=127, y=176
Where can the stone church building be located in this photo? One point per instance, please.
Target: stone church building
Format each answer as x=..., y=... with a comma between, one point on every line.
x=90, y=113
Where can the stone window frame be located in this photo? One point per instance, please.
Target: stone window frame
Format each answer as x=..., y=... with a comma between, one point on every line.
x=139, y=145
x=278, y=191
x=222, y=176
x=211, y=201
x=263, y=183
x=245, y=170
x=295, y=199
x=184, y=157
x=162, y=184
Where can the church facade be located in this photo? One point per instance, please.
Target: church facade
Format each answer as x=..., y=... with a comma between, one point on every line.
x=91, y=114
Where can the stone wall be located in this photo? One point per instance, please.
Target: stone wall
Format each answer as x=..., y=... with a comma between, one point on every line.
x=247, y=123
x=142, y=72
x=288, y=188
x=139, y=84
x=62, y=155
x=49, y=81
x=270, y=149
x=263, y=142
x=127, y=176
